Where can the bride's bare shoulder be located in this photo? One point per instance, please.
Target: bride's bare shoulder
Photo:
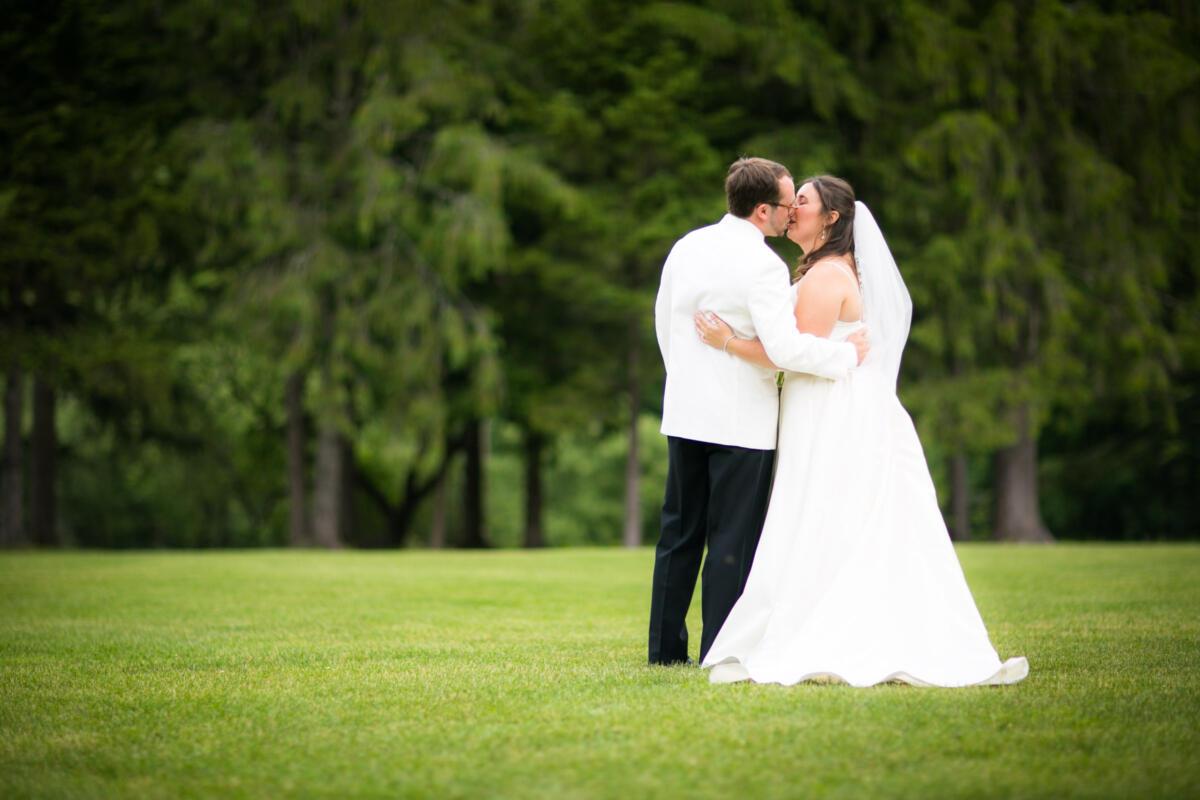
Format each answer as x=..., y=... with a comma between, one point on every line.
x=828, y=270
x=836, y=263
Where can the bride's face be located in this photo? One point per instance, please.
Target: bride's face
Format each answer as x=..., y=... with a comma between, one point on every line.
x=808, y=218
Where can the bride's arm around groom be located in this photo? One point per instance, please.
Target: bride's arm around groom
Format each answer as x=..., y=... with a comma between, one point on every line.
x=771, y=304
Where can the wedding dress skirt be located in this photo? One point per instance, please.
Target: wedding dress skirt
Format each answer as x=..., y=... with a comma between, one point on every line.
x=855, y=579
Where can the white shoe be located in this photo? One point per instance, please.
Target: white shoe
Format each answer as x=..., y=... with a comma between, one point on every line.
x=1013, y=670
x=730, y=672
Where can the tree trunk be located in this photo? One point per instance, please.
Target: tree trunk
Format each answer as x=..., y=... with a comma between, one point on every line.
x=1018, y=513
x=960, y=497
x=437, y=529
x=327, y=493
x=535, y=445
x=960, y=486
x=414, y=492
x=632, y=533
x=298, y=533
x=12, y=514
x=346, y=500
x=43, y=465
x=474, y=500
x=328, y=480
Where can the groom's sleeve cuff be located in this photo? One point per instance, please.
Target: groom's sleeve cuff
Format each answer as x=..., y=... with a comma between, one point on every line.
x=849, y=356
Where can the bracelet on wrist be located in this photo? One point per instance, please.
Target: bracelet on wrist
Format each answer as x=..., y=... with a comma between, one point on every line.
x=725, y=347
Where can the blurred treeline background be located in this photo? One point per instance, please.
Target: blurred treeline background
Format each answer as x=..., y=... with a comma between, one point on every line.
x=381, y=273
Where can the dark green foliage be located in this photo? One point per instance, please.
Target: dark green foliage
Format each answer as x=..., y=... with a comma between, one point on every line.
x=428, y=214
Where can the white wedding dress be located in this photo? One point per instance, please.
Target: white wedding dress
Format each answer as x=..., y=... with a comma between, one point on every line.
x=855, y=579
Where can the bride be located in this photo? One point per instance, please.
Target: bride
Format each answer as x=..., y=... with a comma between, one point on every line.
x=855, y=578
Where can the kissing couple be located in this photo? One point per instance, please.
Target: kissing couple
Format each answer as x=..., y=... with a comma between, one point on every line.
x=828, y=558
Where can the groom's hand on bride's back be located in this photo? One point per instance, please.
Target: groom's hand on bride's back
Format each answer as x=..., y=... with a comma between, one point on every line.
x=861, y=343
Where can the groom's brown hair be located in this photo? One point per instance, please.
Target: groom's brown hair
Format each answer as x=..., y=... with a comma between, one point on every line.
x=752, y=181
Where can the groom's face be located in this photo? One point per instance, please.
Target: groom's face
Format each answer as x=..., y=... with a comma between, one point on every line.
x=781, y=211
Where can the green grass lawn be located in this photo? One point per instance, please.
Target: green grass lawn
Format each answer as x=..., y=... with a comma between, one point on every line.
x=519, y=674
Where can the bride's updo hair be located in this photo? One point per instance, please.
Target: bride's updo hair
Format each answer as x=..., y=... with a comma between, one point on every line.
x=836, y=195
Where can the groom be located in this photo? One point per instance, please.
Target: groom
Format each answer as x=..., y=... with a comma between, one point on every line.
x=720, y=413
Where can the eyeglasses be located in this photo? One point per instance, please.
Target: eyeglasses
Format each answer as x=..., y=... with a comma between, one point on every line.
x=789, y=206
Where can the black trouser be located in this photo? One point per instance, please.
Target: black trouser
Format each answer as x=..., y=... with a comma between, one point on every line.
x=716, y=494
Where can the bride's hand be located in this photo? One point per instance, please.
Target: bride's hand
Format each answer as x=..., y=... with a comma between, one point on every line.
x=712, y=330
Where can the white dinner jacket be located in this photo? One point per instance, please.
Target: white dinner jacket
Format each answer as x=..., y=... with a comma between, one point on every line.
x=727, y=268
